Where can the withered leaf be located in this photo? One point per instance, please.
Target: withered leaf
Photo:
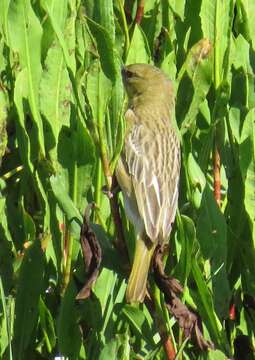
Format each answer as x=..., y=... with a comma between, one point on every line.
x=188, y=320
x=92, y=254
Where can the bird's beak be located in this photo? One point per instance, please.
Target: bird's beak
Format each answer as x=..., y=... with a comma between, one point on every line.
x=123, y=74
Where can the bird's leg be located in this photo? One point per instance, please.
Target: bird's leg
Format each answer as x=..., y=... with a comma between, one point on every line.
x=115, y=189
x=110, y=193
x=112, y=196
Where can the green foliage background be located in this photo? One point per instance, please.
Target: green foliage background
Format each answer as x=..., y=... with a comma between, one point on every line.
x=61, y=130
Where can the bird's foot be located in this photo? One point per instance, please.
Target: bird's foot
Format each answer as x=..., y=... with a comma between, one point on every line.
x=110, y=193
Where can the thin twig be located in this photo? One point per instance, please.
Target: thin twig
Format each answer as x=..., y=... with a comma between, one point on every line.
x=168, y=346
x=120, y=239
x=68, y=237
x=111, y=184
x=160, y=324
x=67, y=258
x=139, y=12
x=216, y=173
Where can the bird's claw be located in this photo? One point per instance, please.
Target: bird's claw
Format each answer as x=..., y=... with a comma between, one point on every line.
x=110, y=193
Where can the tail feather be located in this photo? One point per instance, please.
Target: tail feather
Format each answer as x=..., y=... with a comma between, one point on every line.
x=136, y=289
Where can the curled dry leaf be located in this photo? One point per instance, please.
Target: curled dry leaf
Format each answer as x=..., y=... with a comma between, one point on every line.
x=188, y=320
x=201, y=51
x=92, y=254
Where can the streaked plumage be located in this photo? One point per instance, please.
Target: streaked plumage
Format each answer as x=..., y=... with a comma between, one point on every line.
x=148, y=170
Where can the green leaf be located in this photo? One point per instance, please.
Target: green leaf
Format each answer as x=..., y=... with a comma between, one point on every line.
x=4, y=6
x=98, y=91
x=47, y=325
x=20, y=90
x=206, y=310
x=208, y=18
x=5, y=326
x=194, y=85
x=212, y=236
x=217, y=31
x=178, y=7
x=103, y=15
x=105, y=48
x=84, y=165
x=168, y=65
x=6, y=254
x=61, y=88
x=243, y=89
x=56, y=24
x=138, y=321
x=116, y=106
x=103, y=290
x=76, y=155
x=235, y=118
x=247, y=166
x=68, y=332
x=187, y=234
x=246, y=19
x=152, y=23
x=216, y=355
x=3, y=118
x=55, y=93
x=240, y=53
x=66, y=203
x=25, y=38
x=29, y=226
x=139, y=49
x=29, y=289
x=110, y=351
x=59, y=11
x=197, y=180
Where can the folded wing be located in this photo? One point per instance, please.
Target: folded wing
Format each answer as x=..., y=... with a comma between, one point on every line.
x=153, y=161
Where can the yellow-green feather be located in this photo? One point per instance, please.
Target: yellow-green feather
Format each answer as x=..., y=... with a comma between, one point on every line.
x=136, y=289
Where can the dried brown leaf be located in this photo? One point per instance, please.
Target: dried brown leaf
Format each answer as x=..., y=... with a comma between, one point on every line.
x=188, y=320
x=92, y=254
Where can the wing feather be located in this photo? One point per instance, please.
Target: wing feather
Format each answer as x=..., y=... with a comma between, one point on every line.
x=153, y=162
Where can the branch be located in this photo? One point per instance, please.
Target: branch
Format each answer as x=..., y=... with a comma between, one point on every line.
x=139, y=12
x=160, y=324
x=216, y=173
x=120, y=239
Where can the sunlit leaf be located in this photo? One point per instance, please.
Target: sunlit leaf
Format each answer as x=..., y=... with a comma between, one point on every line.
x=247, y=165
x=212, y=236
x=25, y=38
x=3, y=115
x=139, y=50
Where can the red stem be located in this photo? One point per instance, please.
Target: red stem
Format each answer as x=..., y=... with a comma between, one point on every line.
x=216, y=175
x=169, y=348
x=139, y=12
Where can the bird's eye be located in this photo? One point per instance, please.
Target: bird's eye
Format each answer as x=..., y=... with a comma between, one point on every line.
x=129, y=74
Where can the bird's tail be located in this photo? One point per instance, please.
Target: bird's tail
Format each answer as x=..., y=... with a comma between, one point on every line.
x=137, y=281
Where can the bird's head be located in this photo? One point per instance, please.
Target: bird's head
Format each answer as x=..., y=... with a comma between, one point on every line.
x=141, y=79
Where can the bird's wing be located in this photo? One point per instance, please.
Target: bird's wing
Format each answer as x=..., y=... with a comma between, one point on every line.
x=153, y=161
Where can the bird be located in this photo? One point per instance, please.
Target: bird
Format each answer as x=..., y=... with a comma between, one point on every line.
x=148, y=169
